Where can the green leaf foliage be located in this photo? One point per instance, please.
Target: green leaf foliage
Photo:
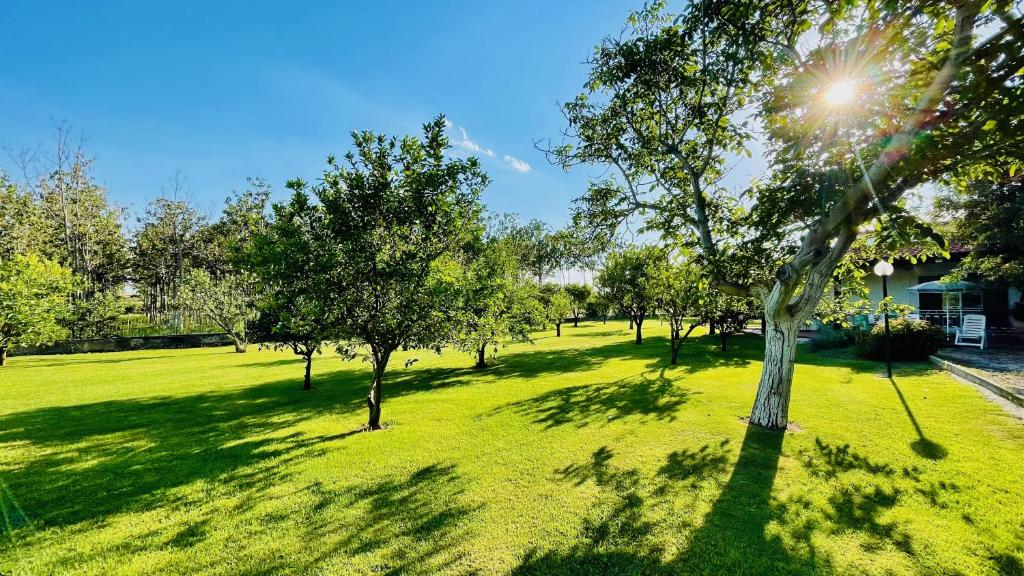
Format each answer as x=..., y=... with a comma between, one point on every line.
x=34, y=296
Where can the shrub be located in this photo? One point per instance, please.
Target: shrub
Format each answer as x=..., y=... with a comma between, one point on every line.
x=829, y=336
x=97, y=317
x=910, y=340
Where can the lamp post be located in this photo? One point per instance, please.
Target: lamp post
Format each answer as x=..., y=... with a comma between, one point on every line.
x=884, y=270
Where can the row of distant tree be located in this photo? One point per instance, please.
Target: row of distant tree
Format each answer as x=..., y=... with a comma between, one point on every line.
x=55, y=209
x=391, y=249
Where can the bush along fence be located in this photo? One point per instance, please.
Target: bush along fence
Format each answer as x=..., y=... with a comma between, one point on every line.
x=131, y=325
x=125, y=344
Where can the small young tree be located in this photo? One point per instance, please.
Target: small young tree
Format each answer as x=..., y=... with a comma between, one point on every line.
x=628, y=281
x=396, y=214
x=579, y=296
x=729, y=314
x=291, y=319
x=228, y=301
x=33, y=298
x=557, y=305
x=496, y=302
x=599, y=306
x=293, y=307
x=679, y=290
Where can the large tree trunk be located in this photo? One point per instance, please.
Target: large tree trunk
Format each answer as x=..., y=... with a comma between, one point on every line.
x=631, y=322
x=239, y=345
x=481, y=356
x=558, y=328
x=575, y=321
x=711, y=328
x=771, y=407
x=307, y=384
x=3, y=356
x=639, y=332
x=373, y=400
x=724, y=336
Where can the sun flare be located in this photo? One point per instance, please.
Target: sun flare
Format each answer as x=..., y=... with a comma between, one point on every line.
x=841, y=92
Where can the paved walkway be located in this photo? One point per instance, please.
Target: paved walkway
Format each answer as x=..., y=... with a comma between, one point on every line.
x=1003, y=367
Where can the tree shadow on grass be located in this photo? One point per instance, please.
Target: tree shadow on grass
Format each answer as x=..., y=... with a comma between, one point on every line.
x=923, y=446
x=573, y=333
x=700, y=353
x=732, y=538
x=861, y=491
x=85, y=462
x=615, y=537
x=80, y=359
x=748, y=530
x=620, y=539
x=651, y=396
x=411, y=525
x=846, y=358
x=533, y=363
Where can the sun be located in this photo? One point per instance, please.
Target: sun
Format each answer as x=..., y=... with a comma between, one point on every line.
x=841, y=92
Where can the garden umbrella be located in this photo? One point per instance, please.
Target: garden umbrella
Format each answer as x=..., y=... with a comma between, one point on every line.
x=936, y=287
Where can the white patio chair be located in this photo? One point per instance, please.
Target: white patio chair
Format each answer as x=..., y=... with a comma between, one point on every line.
x=972, y=332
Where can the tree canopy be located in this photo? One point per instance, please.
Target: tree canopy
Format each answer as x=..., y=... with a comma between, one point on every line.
x=989, y=220
x=497, y=303
x=393, y=216
x=628, y=281
x=674, y=99
x=557, y=305
x=33, y=297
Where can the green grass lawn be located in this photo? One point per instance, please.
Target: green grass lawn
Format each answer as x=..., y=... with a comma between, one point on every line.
x=584, y=454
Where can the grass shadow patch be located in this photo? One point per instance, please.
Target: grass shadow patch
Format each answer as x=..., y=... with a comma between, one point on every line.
x=582, y=405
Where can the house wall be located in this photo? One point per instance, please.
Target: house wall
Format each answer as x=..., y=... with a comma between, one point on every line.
x=904, y=276
x=900, y=280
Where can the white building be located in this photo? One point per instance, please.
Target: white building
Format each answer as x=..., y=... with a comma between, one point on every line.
x=993, y=301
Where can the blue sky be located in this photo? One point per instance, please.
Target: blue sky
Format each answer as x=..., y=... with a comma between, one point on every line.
x=224, y=90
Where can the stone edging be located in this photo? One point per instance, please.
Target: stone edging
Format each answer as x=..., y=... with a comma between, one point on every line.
x=973, y=378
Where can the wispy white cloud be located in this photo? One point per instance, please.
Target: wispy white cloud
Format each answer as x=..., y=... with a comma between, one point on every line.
x=463, y=141
x=518, y=165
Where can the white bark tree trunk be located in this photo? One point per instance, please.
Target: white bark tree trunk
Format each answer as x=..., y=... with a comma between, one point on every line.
x=771, y=407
